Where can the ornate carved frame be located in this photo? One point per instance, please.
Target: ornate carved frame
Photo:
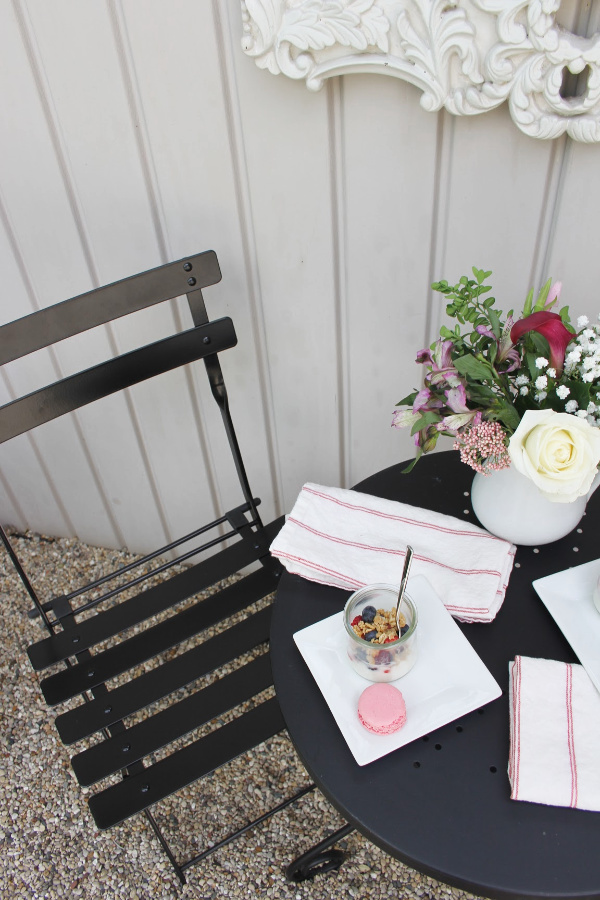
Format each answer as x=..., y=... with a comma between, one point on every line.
x=468, y=56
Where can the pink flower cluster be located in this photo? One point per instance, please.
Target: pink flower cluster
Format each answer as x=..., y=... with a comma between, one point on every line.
x=483, y=447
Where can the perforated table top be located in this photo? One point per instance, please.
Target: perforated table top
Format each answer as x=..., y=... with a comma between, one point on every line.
x=442, y=803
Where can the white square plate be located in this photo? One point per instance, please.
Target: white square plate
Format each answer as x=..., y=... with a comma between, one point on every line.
x=568, y=596
x=447, y=681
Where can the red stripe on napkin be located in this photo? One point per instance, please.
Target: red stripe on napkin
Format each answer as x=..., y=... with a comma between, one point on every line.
x=570, y=734
x=395, y=518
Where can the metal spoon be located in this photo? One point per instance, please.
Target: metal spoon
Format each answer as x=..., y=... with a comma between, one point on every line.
x=406, y=570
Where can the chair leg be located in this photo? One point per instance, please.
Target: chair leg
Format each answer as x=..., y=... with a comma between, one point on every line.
x=320, y=858
x=165, y=846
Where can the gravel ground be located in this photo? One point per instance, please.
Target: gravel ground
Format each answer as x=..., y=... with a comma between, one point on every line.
x=50, y=845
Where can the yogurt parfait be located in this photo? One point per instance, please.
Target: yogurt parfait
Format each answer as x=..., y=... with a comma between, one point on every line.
x=375, y=649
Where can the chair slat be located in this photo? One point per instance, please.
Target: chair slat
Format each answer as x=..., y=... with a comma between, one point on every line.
x=177, y=720
x=106, y=378
x=101, y=667
x=102, y=305
x=143, y=606
x=138, y=792
x=159, y=682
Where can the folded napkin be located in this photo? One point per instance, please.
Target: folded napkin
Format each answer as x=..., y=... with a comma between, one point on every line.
x=554, y=734
x=348, y=539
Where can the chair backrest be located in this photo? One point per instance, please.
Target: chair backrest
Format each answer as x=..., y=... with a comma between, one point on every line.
x=49, y=326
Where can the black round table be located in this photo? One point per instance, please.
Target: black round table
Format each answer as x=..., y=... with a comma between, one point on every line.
x=442, y=803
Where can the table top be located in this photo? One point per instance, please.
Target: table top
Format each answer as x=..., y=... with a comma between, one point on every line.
x=442, y=803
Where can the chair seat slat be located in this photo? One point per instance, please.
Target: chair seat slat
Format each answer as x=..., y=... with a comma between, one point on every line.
x=138, y=792
x=156, y=599
x=177, y=720
x=139, y=648
x=134, y=695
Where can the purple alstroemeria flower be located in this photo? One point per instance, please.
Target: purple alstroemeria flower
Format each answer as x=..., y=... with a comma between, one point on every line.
x=440, y=361
x=456, y=399
x=457, y=422
x=421, y=400
x=403, y=418
x=506, y=349
x=425, y=400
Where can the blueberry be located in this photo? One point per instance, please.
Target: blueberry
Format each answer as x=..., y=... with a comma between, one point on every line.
x=369, y=613
x=404, y=629
x=370, y=635
x=383, y=658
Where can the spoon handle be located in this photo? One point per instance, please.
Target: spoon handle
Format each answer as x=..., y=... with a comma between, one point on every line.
x=405, y=572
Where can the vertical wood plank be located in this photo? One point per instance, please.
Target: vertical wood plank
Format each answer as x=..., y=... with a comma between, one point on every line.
x=390, y=157
x=288, y=157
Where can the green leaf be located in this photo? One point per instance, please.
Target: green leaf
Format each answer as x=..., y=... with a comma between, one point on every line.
x=528, y=304
x=579, y=392
x=530, y=359
x=543, y=296
x=480, y=397
x=564, y=314
x=413, y=462
x=408, y=400
x=507, y=414
x=473, y=368
x=540, y=344
x=425, y=419
x=495, y=323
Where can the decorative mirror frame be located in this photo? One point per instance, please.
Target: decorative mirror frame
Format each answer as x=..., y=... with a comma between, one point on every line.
x=468, y=56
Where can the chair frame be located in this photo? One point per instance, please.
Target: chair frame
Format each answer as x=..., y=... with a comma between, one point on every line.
x=72, y=642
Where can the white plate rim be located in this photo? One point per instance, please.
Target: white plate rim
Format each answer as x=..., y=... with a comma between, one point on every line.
x=568, y=597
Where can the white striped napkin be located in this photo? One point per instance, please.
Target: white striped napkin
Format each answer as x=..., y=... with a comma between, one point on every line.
x=348, y=539
x=554, y=734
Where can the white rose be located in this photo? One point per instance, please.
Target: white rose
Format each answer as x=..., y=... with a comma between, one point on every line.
x=558, y=452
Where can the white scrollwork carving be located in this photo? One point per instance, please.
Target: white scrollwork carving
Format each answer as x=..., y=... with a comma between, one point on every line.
x=467, y=56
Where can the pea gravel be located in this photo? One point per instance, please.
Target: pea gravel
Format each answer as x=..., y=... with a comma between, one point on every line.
x=50, y=846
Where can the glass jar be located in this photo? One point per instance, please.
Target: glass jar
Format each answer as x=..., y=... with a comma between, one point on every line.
x=374, y=661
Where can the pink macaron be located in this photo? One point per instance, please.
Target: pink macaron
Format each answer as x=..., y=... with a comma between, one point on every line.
x=381, y=708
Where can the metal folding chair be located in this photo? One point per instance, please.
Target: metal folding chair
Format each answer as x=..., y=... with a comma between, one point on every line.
x=102, y=633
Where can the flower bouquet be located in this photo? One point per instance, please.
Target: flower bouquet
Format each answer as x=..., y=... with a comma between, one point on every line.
x=523, y=391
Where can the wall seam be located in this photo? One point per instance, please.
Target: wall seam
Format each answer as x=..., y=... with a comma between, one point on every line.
x=439, y=219
x=553, y=191
x=223, y=31
x=335, y=113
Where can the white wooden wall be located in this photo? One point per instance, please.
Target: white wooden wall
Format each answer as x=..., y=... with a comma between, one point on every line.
x=134, y=132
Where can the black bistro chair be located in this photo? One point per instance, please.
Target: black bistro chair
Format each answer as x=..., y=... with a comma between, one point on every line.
x=109, y=635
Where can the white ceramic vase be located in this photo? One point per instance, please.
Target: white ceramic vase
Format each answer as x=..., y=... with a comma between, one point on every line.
x=510, y=506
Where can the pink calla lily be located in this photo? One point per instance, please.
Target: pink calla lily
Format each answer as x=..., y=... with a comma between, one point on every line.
x=550, y=326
